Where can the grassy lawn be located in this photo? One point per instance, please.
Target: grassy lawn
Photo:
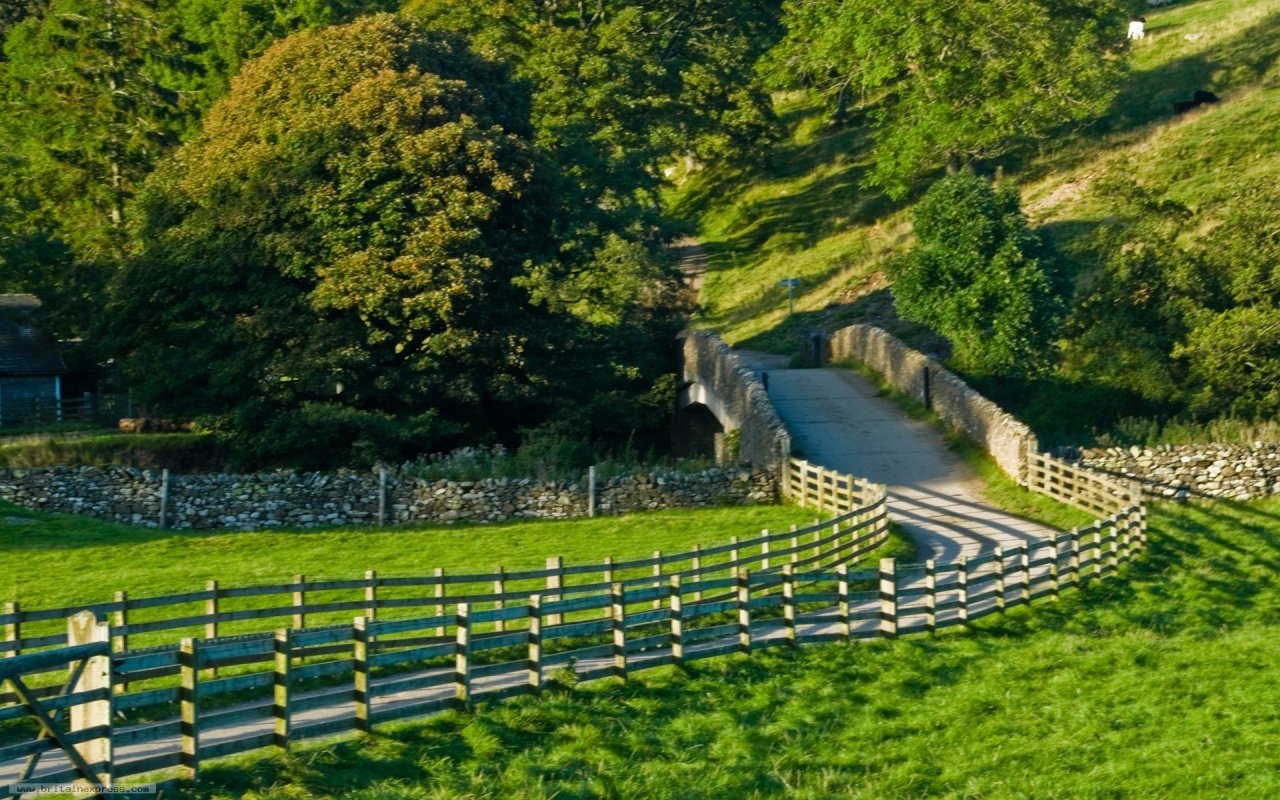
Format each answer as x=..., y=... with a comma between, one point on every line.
x=1157, y=685
x=65, y=559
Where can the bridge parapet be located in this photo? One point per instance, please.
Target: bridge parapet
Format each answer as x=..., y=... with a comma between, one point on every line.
x=713, y=375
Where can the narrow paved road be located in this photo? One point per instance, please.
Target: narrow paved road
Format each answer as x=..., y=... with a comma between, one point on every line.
x=836, y=420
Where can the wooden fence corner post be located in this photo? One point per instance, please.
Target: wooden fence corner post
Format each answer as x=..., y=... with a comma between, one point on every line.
x=533, y=664
x=842, y=598
x=360, y=659
x=84, y=628
x=962, y=590
x=189, y=706
x=281, y=685
x=789, y=603
x=744, y=611
x=618, y=605
x=676, y=609
x=462, y=660
x=888, y=598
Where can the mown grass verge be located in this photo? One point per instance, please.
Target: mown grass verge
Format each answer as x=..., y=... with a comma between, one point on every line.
x=1156, y=685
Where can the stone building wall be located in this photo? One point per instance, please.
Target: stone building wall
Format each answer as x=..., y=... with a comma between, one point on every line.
x=313, y=499
x=937, y=388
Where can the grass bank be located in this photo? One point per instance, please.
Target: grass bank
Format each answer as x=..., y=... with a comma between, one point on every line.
x=1156, y=685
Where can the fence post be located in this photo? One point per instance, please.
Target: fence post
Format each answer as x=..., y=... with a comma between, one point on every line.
x=371, y=594
x=733, y=556
x=817, y=546
x=888, y=598
x=462, y=651
x=842, y=597
x=360, y=659
x=618, y=605
x=591, y=491
x=13, y=630
x=211, y=611
x=1075, y=558
x=930, y=595
x=299, y=600
x=189, y=706
x=657, y=573
x=697, y=571
x=164, y=499
x=1097, y=548
x=533, y=664
x=1024, y=563
x=84, y=628
x=962, y=590
x=1055, y=581
x=676, y=606
x=440, y=606
x=789, y=602
x=608, y=579
x=554, y=581
x=744, y=611
x=764, y=550
x=1113, y=554
x=120, y=637
x=382, y=496
x=280, y=696
x=998, y=563
x=499, y=587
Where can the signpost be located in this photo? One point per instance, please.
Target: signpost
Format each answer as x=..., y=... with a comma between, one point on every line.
x=791, y=284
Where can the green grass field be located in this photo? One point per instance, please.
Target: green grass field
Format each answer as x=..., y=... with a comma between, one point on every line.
x=65, y=560
x=1157, y=685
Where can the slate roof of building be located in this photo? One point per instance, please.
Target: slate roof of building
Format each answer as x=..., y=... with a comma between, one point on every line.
x=23, y=349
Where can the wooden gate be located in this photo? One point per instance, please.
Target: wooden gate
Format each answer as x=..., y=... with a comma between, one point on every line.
x=83, y=701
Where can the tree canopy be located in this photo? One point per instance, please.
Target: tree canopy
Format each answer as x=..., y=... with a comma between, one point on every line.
x=954, y=82
x=346, y=253
x=982, y=278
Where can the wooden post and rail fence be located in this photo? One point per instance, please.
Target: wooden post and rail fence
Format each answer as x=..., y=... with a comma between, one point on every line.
x=499, y=634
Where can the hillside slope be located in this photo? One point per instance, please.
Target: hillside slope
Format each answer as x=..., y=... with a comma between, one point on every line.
x=804, y=214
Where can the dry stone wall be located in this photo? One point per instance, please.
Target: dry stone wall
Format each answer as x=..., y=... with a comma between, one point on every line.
x=1239, y=472
x=928, y=382
x=308, y=500
x=763, y=442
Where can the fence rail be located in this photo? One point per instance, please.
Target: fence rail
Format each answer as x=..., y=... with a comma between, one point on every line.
x=477, y=644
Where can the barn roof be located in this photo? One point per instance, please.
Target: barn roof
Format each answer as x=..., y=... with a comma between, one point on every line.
x=23, y=350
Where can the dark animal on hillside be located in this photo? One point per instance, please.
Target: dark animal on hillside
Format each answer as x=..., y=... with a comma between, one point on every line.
x=1200, y=98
